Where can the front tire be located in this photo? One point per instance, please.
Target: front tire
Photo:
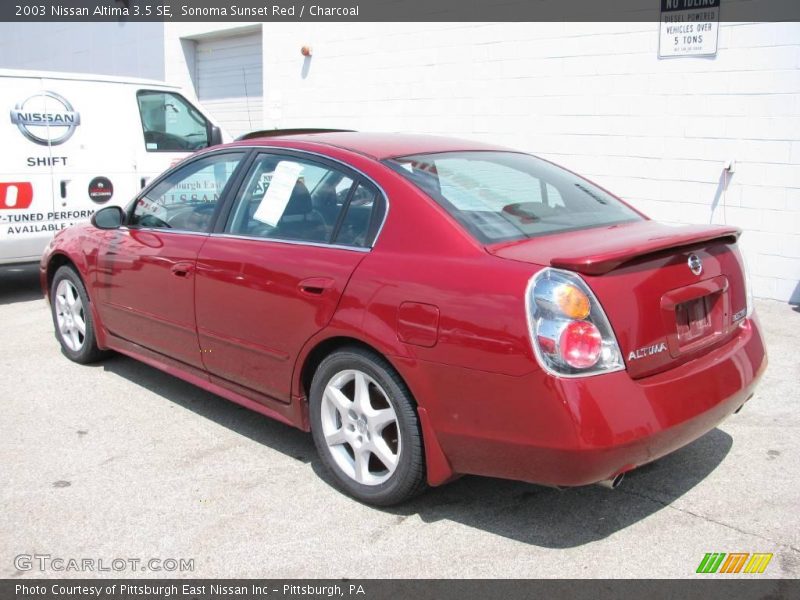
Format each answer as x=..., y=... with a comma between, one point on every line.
x=72, y=317
x=366, y=429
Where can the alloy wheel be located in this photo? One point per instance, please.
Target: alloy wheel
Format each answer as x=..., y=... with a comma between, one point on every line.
x=360, y=427
x=70, y=315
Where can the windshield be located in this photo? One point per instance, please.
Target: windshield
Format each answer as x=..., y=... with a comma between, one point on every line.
x=504, y=196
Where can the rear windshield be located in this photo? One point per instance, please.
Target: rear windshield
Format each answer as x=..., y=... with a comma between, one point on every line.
x=504, y=196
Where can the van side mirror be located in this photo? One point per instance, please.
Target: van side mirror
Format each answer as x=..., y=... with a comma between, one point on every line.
x=110, y=217
x=214, y=136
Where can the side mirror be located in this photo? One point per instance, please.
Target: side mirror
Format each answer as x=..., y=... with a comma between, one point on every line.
x=110, y=217
x=214, y=136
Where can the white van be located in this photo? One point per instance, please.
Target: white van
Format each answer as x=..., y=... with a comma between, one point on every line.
x=72, y=144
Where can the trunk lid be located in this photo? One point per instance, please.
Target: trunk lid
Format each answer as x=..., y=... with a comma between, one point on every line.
x=662, y=311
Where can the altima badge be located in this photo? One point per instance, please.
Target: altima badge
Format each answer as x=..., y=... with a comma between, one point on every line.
x=695, y=264
x=647, y=351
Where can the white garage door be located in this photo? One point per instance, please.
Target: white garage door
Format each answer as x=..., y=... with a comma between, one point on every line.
x=230, y=81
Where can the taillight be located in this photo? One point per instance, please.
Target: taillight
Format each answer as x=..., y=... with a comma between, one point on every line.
x=570, y=333
x=580, y=344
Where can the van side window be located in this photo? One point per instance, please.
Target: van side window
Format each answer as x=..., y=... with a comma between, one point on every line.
x=186, y=199
x=170, y=123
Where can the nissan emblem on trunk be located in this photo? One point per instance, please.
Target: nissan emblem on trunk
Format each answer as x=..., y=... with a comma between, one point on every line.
x=100, y=190
x=695, y=264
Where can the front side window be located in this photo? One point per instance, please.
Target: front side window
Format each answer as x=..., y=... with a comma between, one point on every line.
x=186, y=199
x=171, y=124
x=294, y=199
x=504, y=196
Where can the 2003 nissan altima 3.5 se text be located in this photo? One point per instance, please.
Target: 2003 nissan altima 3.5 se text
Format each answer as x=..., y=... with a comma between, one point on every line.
x=426, y=307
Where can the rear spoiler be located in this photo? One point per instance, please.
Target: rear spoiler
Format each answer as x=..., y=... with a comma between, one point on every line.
x=263, y=133
x=602, y=255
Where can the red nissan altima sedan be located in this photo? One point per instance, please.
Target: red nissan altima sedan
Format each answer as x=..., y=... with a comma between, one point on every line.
x=426, y=307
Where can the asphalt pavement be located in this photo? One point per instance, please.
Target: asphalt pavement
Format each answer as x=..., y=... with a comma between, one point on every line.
x=118, y=461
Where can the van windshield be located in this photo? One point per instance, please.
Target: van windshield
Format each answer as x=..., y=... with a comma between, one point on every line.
x=505, y=196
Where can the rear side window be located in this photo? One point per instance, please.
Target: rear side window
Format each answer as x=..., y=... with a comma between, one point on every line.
x=504, y=196
x=170, y=123
x=288, y=198
x=357, y=221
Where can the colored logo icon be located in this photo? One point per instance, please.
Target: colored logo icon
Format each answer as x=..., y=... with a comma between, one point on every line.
x=100, y=190
x=734, y=562
x=16, y=195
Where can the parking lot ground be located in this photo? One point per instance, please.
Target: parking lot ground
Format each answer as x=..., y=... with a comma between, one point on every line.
x=118, y=460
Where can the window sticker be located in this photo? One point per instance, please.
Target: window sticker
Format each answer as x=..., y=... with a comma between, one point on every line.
x=150, y=207
x=281, y=186
x=262, y=185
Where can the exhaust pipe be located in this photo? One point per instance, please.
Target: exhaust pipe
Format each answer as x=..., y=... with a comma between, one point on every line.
x=612, y=483
x=738, y=410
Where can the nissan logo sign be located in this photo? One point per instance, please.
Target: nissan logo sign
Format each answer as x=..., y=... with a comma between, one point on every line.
x=695, y=264
x=46, y=118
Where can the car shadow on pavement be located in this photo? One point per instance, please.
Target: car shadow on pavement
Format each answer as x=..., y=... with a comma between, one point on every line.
x=554, y=518
x=523, y=512
x=19, y=283
x=262, y=430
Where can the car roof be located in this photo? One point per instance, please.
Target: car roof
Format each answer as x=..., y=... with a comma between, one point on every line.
x=380, y=145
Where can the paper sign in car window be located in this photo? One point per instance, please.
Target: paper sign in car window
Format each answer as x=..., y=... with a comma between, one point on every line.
x=280, y=189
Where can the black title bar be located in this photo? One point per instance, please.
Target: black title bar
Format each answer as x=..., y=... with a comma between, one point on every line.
x=705, y=588
x=387, y=10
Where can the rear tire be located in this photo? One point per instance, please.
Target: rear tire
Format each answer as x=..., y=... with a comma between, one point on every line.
x=72, y=317
x=366, y=429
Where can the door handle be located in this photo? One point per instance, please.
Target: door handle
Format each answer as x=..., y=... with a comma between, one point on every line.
x=63, y=188
x=315, y=286
x=182, y=269
x=142, y=183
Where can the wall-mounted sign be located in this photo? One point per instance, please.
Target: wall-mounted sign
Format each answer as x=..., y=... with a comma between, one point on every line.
x=688, y=28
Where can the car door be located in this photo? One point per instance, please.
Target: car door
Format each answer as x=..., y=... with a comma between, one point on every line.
x=273, y=274
x=145, y=275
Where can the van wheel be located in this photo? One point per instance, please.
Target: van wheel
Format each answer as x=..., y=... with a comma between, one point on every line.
x=72, y=317
x=366, y=429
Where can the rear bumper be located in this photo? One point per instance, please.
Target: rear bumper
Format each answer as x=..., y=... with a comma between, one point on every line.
x=570, y=432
